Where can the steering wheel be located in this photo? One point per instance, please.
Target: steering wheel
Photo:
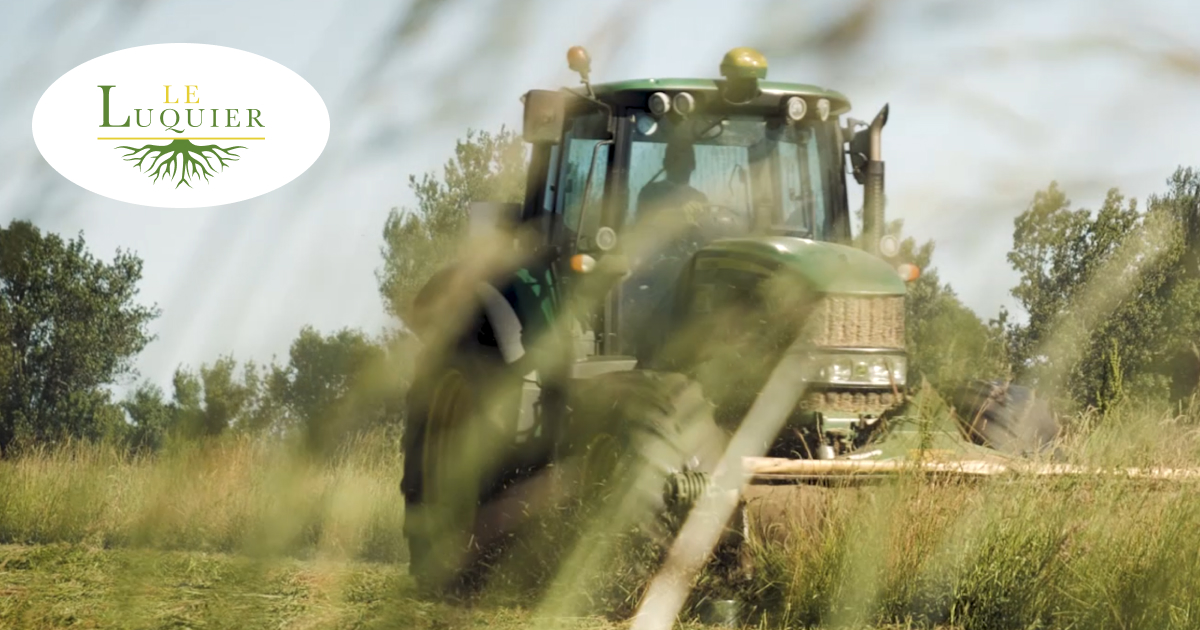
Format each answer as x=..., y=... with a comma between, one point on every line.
x=717, y=221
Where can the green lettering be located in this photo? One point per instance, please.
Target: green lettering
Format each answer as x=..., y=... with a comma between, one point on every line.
x=253, y=115
x=214, y=118
x=149, y=114
x=162, y=118
x=189, y=118
x=230, y=116
x=104, y=89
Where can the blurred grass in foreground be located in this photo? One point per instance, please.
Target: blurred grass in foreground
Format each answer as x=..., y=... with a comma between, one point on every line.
x=256, y=535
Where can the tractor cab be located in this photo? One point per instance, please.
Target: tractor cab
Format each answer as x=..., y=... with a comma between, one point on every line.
x=736, y=168
x=659, y=168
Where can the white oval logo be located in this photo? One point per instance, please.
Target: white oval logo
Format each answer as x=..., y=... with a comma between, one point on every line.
x=180, y=125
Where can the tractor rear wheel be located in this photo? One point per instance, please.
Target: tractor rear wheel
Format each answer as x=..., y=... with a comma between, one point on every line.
x=1008, y=418
x=453, y=445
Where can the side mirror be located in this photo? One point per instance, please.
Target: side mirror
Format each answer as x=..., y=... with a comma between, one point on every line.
x=859, y=149
x=545, y=111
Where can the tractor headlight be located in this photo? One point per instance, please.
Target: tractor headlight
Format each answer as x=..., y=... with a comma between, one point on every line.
x=659, y=103
x=823, y=109
x=684, y=103
x=861, y=369
x=795, y=108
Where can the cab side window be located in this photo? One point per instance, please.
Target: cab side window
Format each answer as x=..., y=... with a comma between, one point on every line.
x=584, y=134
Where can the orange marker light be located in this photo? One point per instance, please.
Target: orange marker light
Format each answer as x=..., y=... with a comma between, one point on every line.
x=909, y=272
x=582, y=263
x=579, y=60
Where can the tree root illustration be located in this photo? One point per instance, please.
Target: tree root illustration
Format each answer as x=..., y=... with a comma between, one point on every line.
x=180, y=159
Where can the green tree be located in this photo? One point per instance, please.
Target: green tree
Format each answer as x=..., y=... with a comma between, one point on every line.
x=1111, y=296
x=1057, y=250
x=419, y=241
x=225, y=396
x=8, y=356
x=265, y=412
x=151, y=419
x=70, y=326
x=1060, y=253
x=341, y=383
x=215, y=399
x=187, y=402
x=332, y=386
x=1174, y=285
x=948, y=343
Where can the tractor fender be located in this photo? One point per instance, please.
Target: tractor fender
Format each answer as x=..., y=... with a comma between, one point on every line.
x=493, y=318
x=505, y=323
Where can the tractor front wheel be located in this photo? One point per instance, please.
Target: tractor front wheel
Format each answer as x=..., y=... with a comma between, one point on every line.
x=453, y=445
x=631, y=432
x=633, y=429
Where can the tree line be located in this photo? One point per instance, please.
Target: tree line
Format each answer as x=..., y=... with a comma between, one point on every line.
x=1110, y=298
x=71, y=325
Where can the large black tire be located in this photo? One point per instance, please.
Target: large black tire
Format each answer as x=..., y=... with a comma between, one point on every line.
x=630, y=432
x=453, y=449
x=1008, y=418
x=635, y=428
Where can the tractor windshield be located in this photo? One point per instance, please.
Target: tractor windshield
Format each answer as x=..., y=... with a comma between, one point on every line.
x=726, y=176
x=749, y=171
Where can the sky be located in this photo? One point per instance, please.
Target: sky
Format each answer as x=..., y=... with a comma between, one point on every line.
x=990, y=101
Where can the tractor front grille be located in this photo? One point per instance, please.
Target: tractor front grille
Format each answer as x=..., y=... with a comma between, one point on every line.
x=843, y=401
x=859, y=322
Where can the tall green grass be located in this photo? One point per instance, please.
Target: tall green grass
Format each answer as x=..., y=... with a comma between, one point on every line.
x=236, y=495
x=1080, y=552
x=1087, y=552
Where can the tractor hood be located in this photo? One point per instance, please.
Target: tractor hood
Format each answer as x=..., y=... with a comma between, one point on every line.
x=828, y=267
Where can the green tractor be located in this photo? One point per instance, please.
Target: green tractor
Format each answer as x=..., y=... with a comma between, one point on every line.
x=683, y=261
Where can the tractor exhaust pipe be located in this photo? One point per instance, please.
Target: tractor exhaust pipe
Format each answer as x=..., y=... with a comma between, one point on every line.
x=873, y=192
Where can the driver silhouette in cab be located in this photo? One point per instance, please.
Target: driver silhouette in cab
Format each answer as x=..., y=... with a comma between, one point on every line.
x=673, y=210
x=674, y=191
